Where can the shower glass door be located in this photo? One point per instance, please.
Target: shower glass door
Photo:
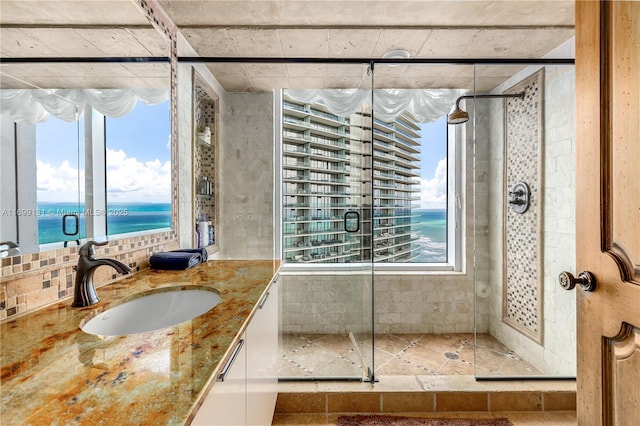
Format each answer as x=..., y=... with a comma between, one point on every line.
x=327, y=293
x=524, y=212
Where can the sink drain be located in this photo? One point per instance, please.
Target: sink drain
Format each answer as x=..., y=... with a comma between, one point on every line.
x=451, y=355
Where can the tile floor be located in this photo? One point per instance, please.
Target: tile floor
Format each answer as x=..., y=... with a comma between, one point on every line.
x=413, y=362
x=334, y=356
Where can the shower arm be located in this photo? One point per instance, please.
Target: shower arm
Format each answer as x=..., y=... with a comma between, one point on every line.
x=489, y=95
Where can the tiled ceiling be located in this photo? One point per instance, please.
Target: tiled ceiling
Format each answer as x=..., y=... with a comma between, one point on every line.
x=292, y=29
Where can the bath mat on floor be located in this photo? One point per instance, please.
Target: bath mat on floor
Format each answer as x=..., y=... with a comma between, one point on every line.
x=417, y=421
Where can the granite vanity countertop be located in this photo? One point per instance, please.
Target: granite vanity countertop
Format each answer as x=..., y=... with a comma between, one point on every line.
x=55, y=374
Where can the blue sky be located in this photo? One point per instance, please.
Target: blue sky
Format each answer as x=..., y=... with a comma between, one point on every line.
x=434, y=146
x=57, y=141
x=434, y=161
x=136, y=133
x=138, y=157
x=140, y=132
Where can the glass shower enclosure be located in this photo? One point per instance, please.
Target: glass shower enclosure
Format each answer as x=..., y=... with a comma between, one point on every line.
x=358, y=300
x=460, y=315
x=327, y=188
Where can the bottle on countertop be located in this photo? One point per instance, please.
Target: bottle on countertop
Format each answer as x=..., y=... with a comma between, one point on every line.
x=197, y=236
x=204, y=231
x=211, y=241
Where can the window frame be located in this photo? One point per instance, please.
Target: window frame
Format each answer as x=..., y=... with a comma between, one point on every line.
x=456, y=175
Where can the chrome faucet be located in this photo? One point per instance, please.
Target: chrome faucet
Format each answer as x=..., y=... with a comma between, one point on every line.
x=84, y=293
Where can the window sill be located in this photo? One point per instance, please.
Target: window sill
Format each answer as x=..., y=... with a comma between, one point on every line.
x=378, y=269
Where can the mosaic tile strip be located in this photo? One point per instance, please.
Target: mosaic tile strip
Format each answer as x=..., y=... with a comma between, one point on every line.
x=205, y=113
x=523, y=275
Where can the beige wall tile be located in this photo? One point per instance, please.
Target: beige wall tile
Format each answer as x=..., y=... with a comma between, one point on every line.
x=396, y=402
x=515, y=401
x=356, y=402
x=559, y=401
x=42, y=297
x=24, y=285
x=301, y=403
x=469, y=401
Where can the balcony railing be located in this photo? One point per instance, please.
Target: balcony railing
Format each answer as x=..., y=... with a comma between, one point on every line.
x=329, y=116
x=294, y=106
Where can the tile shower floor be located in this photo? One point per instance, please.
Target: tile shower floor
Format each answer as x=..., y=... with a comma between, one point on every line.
x=334, y=356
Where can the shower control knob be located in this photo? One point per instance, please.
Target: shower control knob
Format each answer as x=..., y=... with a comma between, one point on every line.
x=585, y=280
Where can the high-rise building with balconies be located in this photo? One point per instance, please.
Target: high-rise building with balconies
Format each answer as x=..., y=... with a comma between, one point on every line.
x=329, y=169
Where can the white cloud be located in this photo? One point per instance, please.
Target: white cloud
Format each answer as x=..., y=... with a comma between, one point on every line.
x=433, y=192
x=58, y=183
x=129, y=180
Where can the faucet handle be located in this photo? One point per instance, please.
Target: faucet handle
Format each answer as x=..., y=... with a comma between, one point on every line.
x=88, y=249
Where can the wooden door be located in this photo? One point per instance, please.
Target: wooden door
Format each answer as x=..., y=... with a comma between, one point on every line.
x=608, y=210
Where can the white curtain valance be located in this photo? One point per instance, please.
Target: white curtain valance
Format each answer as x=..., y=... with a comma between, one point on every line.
x=34, y=105
x=425, y=104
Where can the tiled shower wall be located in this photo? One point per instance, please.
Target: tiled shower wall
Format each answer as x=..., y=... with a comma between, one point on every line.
x=246, y=177
x=440, y=303
x=557, y=353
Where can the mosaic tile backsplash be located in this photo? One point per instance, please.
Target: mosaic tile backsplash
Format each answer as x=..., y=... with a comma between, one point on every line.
x=31, y=281
x=522, y=287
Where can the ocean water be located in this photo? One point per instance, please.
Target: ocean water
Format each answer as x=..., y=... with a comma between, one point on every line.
x=132, y=217
x=432, y=225
x=121, y=218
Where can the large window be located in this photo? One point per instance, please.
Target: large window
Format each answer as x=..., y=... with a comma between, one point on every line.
x=68, y=173
x=432, y=207
x=138, y=169
x=410, y=184
x=131, y=188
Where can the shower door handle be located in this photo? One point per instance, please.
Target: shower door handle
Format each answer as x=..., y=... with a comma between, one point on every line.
x=76, y=223
x=352, y=221
x=585, y=280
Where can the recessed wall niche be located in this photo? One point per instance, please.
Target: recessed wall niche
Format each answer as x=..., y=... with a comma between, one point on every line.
x=205, y=141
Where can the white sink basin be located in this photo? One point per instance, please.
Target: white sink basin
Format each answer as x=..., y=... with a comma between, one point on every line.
x=152, y=312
